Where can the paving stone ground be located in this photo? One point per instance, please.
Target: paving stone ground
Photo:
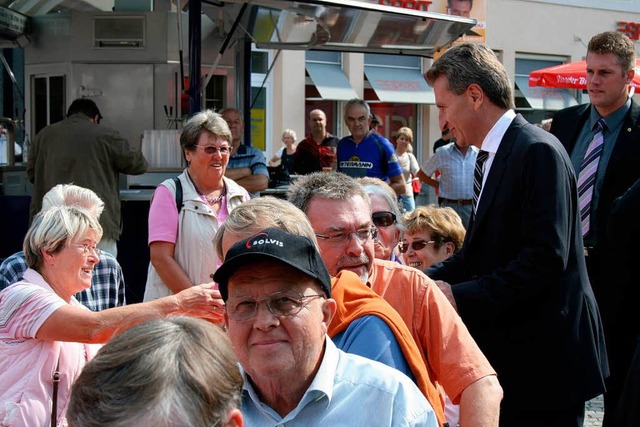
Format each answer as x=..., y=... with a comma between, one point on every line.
x=594, y=412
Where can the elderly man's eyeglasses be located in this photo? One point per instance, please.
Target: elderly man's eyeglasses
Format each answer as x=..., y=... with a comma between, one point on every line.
x=88, y=249
x=211, y=150
x=416, y=246
x=338, y=239
x=280, y=304
x=383, y=219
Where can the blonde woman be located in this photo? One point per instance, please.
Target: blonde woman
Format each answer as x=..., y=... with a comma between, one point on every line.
x=285, y=155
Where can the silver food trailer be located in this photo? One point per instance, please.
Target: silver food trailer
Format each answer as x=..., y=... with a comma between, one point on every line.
x=149, y=64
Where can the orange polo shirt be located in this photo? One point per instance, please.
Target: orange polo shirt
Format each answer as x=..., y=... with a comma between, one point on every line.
x=355, y=300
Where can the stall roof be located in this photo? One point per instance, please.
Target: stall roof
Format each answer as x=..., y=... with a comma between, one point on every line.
x=341, y=25
x=352, y=26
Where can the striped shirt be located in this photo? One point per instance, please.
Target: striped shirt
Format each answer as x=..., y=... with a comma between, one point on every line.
x=456, y=171
x=107, y=282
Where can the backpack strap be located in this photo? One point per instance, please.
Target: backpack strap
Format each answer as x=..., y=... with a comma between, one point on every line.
x=178, y=193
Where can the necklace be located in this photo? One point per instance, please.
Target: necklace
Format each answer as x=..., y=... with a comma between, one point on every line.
x=214, y=200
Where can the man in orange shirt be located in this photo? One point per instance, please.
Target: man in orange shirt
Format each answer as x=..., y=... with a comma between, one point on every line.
x=363, y=323
x=337, y=205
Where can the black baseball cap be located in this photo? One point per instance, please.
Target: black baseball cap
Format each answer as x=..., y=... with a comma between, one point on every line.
x=274, y=244
x=375, y=119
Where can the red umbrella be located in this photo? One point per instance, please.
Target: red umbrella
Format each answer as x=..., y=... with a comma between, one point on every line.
x=570, y=76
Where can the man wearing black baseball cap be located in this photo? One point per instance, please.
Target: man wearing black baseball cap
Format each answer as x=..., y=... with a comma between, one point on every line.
x=278, y=308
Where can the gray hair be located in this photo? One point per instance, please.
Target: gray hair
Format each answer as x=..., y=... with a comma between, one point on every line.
x=257, y=214
x=469, y=63
x=379, y=187
x=204, y=121
x=55, y=228
x=72, y=195
x=356, y=101
x=178, y=371
x=331, y=185
x=616, y=43
x=291, y=133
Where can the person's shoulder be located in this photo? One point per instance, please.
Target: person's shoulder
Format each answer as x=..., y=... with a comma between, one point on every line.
x=108, y=260
x=17, y=258
x=360, y=372
x=569, y=113
x=233, y=188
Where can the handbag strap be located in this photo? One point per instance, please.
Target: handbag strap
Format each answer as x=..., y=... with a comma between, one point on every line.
x=54, y=406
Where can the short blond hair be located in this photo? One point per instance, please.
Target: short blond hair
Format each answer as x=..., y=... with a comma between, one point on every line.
x=406, y=132
x=442, y=223
x=260, y=213
x=55, y=228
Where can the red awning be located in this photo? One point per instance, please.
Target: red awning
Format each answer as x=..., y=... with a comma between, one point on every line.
x=570, y=76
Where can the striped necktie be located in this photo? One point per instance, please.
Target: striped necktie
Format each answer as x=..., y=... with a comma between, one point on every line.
x=587, y=175
x=477, y=178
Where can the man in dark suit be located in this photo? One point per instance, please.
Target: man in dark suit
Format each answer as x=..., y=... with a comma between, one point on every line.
x=610, y=69
x=520, y=282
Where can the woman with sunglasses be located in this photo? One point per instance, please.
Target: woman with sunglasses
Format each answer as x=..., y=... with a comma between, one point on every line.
x=187, y=211
x=432, y=235
x=386, y=217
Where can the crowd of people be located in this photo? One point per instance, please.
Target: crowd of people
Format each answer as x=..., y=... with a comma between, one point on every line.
x=345, y=303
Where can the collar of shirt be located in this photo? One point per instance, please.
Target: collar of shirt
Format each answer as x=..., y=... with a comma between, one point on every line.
x=322, y=384
x=454, y=148
x=613, y=120
x=493, y=139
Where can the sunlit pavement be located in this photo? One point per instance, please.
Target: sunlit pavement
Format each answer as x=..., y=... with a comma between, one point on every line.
x=594, y=412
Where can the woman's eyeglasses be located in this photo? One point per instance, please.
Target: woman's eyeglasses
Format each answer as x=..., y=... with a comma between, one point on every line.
x=383, y=219
x=211, y=150
x=88, y=249
x=416, y=246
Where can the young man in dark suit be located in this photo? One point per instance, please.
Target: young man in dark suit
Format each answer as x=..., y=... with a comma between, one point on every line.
x=520, y=283
x=610, y=70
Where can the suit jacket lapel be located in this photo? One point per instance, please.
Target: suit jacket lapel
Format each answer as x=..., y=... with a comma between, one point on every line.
x=496, y=173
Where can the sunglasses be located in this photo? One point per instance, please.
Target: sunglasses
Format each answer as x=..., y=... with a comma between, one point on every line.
x=416, y=246
x=383, y=219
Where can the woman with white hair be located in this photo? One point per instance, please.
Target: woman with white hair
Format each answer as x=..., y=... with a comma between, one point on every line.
x=285, y=155
x=47, y=336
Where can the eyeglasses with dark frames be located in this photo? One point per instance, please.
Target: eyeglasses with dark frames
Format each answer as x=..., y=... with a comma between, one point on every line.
x=416, y=246
x=211, y=150
x=338, y=239
x=280, y=304
x=383, y=218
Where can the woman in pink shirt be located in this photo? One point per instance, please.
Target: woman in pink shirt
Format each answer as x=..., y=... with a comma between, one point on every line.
x=45, y=333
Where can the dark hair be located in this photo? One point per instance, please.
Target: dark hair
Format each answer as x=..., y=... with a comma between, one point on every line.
x=470, y=63
x=84, y=106
x=616, y=43
x=470, y=3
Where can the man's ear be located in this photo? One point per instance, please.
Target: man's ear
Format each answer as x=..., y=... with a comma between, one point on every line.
x=234, y=418
x=329, y=307
x=476, y=95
